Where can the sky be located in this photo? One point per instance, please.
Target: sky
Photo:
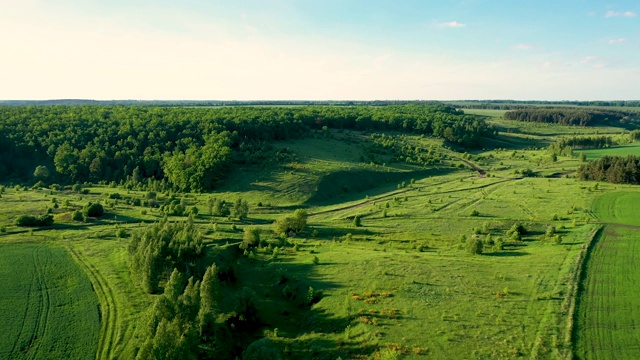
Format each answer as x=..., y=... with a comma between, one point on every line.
x=319, y=49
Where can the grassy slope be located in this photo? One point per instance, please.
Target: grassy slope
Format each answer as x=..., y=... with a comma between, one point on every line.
x=47, y=306
x=607, y=310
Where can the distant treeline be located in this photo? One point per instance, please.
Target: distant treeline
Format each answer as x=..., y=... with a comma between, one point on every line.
x=613, y=169
x=191, y=147
x=576, y=116
x=520, y=104
x=212, y=102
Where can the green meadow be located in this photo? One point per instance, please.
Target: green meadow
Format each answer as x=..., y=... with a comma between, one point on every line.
x=384, y=259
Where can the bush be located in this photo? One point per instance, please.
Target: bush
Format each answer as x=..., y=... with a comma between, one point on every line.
x=474, y=213
x=121, y=233
x=77, y=216
x=77, y=188
x=474, y=246
x=357, y=221
x=33, y=221
x=115, y=196
x=251, y=238
x=550, y=231
x=3, y=229
x=94, y=210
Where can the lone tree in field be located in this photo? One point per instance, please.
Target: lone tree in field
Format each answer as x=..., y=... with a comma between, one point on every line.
x=289, y=223
x=241, y=209
x=251, y=238
x=474, y=246
x=357, y=221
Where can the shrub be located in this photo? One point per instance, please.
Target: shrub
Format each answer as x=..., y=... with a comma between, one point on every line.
x=32, y=221
x=474, y=213
x=3, y=229
x=251, y=238
x=357, y=221
x=315, y=260
x=115, y=196
x=550, y=231
x=94, y=210
x=474, y=246
x=77, y=188
x=77, y=216
x=121, y=233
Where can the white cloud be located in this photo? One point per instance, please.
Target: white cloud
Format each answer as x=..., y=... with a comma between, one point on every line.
x=523, y=47
x=594, y=61
x=452, y=24
x=612, y=13
x=617, y=41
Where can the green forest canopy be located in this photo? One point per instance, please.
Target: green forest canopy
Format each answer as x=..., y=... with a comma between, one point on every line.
x=191, y=147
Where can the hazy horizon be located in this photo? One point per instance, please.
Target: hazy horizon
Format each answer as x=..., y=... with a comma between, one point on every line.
x=333, y=50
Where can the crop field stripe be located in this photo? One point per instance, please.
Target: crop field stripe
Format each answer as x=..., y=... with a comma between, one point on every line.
x=108, y=308
x=26, y=311
x=606, y=326
x=44, y=303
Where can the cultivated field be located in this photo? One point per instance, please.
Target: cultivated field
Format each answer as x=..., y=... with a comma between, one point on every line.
x=607, y=326
x=47, y=305
x=621, y=150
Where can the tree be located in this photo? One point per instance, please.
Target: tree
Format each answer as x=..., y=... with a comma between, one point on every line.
x=241, y=209
x=41, y=172
x=296, y=222
x=209, y=287
x=474, y=246
x=357, y=222
x=94, y=210
x=250, y=238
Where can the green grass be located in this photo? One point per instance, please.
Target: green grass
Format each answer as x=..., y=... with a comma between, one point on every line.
x=402, y=282
x=486, y=112
x=608, y=309
x=622, y=150
x=47, y=305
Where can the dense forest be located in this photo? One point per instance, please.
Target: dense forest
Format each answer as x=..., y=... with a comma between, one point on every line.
x=575, y=116
x=614, y=169
x=192, y=148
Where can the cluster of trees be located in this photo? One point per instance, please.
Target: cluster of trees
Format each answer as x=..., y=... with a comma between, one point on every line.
x=163, y=247
x=614, y=169
x=34, y=221
x=576, y=116
x=399, y=150
x=186, y=321
x=190, y=147
x=565, y=146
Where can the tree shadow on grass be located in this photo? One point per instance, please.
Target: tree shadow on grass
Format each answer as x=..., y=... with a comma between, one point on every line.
x=287, y=292
x=507, y=253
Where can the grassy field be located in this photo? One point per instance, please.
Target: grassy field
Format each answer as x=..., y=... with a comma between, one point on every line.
x=607, y=314
x=621, y=150
x=402, y=283
x=47, y=305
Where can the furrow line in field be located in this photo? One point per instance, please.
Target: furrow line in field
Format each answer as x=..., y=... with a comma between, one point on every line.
x=108, y=310
x=41, y=317
x=24, y=316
